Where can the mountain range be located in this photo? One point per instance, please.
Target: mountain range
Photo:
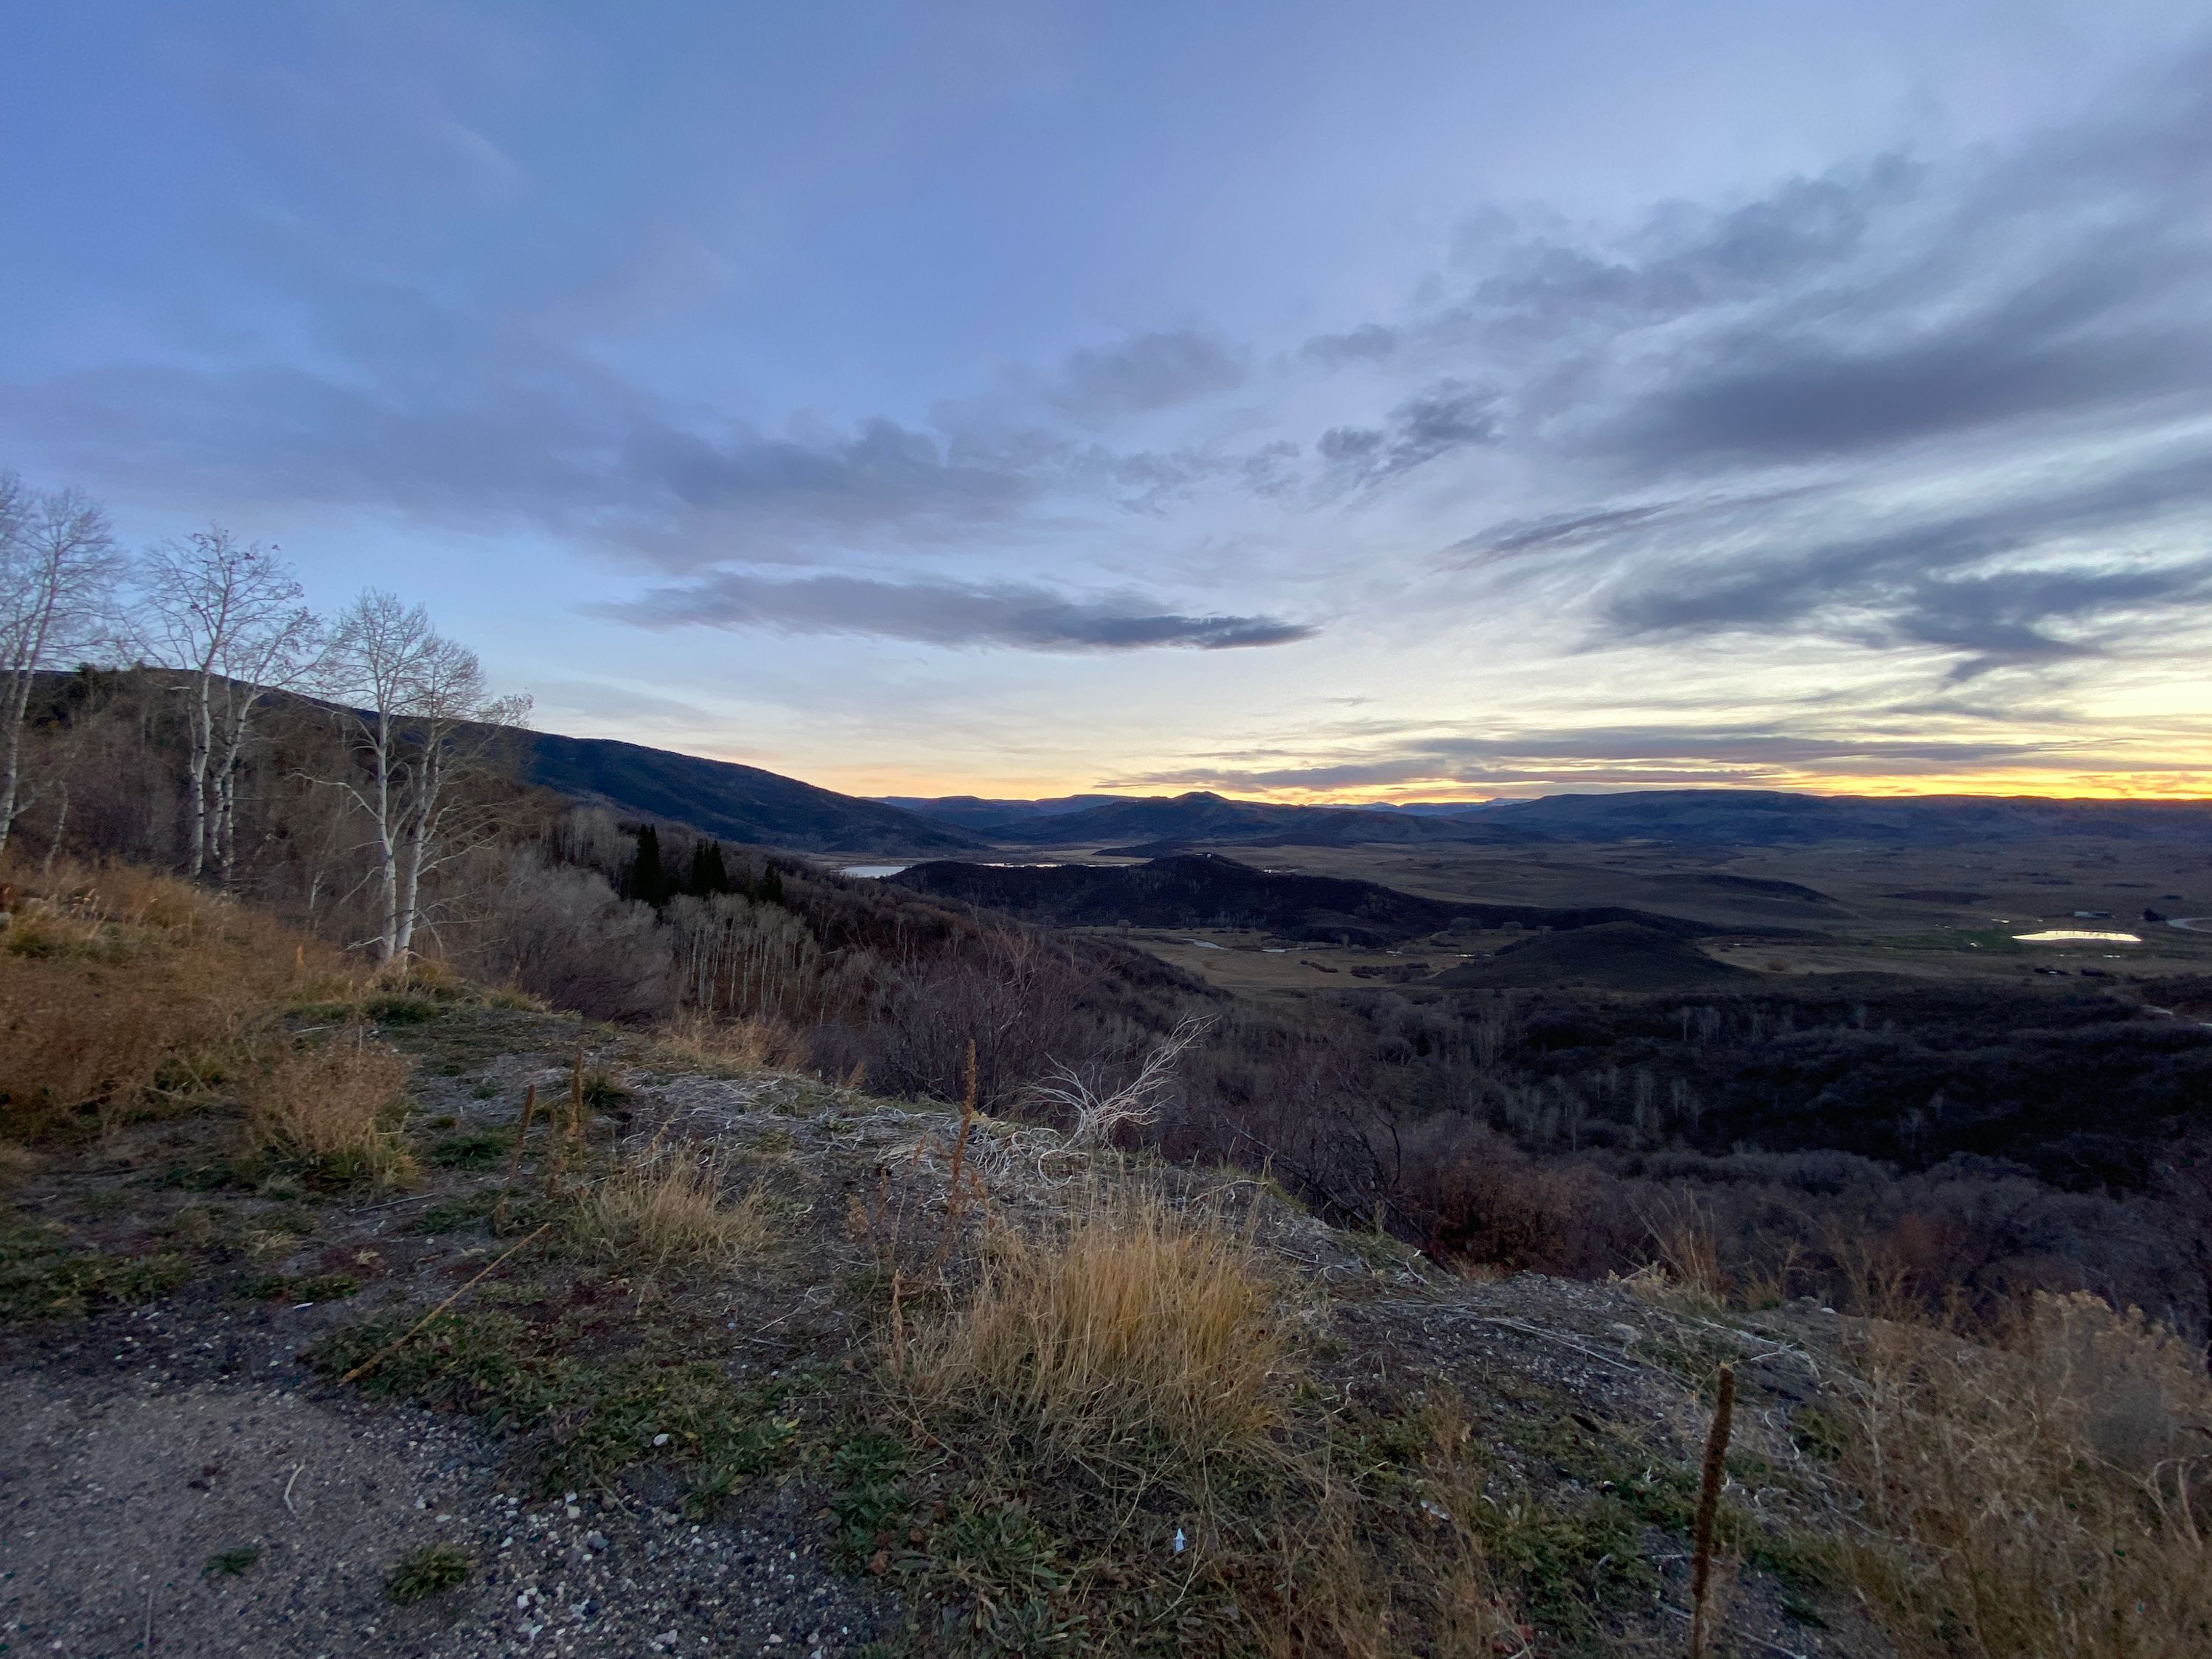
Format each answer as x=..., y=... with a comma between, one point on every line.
x=748, y=804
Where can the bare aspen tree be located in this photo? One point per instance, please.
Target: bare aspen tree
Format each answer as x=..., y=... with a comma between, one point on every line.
x=227, y=613
x=417, y=710
x=59, y=568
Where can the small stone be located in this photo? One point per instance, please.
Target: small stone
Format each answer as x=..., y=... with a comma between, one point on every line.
x=574, y=1514
x=660, y=1440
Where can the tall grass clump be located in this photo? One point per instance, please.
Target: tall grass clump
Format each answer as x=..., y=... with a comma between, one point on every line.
x=332, y=1110
x=748, y=1044
x=1130, y=1323
x=125, y=995
x=2042, y=1496
x=671, y=1208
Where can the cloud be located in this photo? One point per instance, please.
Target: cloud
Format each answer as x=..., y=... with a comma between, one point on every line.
x=1626, y=757
x=949, y=614
x=1448, y=416
x=1369, y=342
x=1896, y=303
x=1557, y=530
x=2019, y=574
x=1145, y=372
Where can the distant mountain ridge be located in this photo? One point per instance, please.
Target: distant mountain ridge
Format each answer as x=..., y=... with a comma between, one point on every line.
x=1149, y=826
x=748, y=804
x=977, y=813
x=738, y=803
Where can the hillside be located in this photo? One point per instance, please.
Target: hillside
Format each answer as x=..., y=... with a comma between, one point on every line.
x=1615, y=956
x=738, y=803
x=1194, y=889
x=360, y=1314
x=978, y=814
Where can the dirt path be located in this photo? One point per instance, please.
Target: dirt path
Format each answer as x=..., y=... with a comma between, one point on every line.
x=151, y=1447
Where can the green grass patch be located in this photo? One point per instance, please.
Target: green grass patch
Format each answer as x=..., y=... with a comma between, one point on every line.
x=431, y=1571
x=42, y=1276
x=456, y=1215
x=480, y=1149
x=590, y=1415
x=231, y=1564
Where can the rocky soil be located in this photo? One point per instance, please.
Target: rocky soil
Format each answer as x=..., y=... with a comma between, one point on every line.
x=181, y=1472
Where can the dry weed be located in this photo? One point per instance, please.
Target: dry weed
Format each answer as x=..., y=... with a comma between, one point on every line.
x=124, y=993
x=332, y=1108
x=1133, y=1323
x=672, y=1206
x=2042, y=1497
x=1687, y=1250
x=1367, y=1580
x=752, y=1044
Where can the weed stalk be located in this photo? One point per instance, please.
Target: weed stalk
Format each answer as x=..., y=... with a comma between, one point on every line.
x=522, y=1133
x=1709, y=1503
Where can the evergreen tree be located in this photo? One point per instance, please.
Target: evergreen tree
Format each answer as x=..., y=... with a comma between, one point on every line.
x=648, y=883
x=709, y=874
x=771, y=886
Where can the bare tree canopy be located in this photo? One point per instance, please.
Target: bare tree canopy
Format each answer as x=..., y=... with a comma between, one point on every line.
x=418, y=710
x=228, y=614
x=58, y=569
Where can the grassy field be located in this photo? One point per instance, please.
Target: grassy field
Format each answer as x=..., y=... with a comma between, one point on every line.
x=1829, y=909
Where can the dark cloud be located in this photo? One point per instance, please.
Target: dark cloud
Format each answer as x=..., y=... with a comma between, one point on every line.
x=2070, y=280
x=1143, y=373
x=881, y=473
x=1684, y=260
x=945, y=613
x=2038, y=574
x=1557, y=529
x=446, y=416
x=466, y=415
x=1448, y=416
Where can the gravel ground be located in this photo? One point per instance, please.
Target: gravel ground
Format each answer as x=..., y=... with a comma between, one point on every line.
x=146, y=1444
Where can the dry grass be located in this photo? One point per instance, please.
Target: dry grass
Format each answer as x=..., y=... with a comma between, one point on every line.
x=1128, y=1379
x=1686, y=1253
x=1352, y=1577
x=671, y=1208
x=751, y=1044
x=124, y=994
x=333, y=1110
x=2041, y=1497
x=1134, y=1324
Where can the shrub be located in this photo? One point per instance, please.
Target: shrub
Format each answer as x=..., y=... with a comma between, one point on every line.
x=333, y=1110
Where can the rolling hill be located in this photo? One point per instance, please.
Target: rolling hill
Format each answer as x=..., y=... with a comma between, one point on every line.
x=738, y=803
x=1614, y=956
x=1194, y=889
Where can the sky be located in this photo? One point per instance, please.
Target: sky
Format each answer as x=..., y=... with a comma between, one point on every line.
x=1303, y=401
